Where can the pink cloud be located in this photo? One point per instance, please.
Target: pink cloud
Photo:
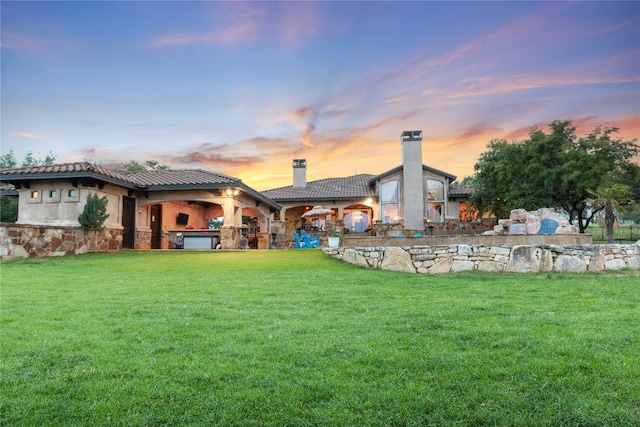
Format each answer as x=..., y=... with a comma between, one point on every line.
x=478, y=130
x=27, y=135
x=249, y=23
x=241, y=33
x=19, y=42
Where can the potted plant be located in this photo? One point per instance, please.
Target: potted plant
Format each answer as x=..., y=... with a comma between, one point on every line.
x=334, y=240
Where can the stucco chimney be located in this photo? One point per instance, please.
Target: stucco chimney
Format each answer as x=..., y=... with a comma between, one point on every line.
x=413, y=191
x=299, y=172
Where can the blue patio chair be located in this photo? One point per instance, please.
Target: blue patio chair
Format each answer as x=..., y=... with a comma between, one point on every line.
x=310, y=241
x=300, y=244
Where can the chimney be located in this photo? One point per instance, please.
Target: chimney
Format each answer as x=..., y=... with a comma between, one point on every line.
x=412, y=189
x=299, y=172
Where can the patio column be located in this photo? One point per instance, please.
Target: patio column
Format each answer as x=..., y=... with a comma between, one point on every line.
x=231, y=213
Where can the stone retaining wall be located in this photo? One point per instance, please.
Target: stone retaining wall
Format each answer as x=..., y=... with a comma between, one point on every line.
x=30, y=241
x=453, y=258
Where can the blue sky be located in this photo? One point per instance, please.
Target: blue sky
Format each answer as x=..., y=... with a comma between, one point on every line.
x=244, y=88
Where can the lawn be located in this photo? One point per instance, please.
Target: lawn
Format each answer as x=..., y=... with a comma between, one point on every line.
x=296, y=338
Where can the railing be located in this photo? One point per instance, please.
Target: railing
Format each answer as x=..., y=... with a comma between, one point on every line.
x=625, y=233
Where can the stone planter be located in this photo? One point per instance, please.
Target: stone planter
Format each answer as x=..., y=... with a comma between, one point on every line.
x=334, y=242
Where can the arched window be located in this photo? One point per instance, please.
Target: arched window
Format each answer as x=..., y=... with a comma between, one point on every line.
x=435, y=201
x=357, y=221
x=389, y=202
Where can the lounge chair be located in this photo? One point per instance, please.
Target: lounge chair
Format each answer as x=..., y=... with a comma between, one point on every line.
x=310, y=241
x=300, y=244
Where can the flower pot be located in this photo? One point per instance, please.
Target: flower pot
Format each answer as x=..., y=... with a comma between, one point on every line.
x=334, y=242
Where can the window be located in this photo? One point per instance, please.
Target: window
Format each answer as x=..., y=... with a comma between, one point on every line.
x=467, y=212
x=389, y=202
x=35, y=196
x=435, y=200
x=52, y=196
x=70, y=195
x=357, y=220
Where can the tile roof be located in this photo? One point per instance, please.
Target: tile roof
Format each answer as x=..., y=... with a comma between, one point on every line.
x=62, y=169
x=351, y=187
x=179, y=178
x=456, y=191
x=143, y=180
x=424, y=167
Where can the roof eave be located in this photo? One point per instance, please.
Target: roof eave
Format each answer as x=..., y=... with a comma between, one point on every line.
x=67, y=175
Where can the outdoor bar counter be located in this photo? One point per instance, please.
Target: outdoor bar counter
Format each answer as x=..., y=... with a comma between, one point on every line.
x=194, y=239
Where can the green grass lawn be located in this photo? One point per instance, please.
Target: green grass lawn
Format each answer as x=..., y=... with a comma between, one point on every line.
x=296, y=338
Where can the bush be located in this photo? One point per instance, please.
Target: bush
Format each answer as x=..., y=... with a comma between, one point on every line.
x=8, y=209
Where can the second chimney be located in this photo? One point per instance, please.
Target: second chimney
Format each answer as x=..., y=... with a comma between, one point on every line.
x=299, y=172
x=413, y=190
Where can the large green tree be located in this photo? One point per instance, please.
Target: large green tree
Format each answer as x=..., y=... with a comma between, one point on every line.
x=553, y=169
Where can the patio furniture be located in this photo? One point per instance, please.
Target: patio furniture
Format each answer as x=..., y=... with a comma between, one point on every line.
x=299, y=243
x=310, y=241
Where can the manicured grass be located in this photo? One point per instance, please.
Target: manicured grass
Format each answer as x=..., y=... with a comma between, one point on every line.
x=295, y=338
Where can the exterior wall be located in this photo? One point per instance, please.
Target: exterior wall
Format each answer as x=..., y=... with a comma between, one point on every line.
x=63, y=210
x=31, y=241
x=451, y=209
x=438, y=259
x=469, y=239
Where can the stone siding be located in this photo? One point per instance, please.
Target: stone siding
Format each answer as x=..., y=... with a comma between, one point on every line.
x=33, y=241
x=439, y=259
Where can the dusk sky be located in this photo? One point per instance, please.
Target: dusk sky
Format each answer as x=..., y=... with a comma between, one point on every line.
x=244, y=88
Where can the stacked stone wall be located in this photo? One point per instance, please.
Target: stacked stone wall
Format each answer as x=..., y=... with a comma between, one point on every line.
x=439, y=259
x=33, y=241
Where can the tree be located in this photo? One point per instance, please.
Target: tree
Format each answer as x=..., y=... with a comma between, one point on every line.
x=94, y=215
x=8, y=209
x=29, y=160
x=134, y=166
x=8, y=161
x=610, y=198
x=552, y=169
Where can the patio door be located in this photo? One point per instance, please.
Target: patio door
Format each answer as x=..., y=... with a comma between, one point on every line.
x=128, y=223
x=156, y=227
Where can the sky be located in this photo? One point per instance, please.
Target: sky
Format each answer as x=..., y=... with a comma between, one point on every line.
x=243, y=88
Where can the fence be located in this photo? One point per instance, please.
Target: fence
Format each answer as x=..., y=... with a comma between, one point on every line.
x=624, y=233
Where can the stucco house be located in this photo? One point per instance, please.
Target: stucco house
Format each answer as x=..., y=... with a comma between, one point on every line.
x=146, y=210
x=171, y=208
x=410, y=198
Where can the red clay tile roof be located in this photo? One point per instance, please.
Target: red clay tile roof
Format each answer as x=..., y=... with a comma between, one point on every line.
x=351, y=187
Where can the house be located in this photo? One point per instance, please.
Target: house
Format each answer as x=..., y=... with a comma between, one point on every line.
x=172, y=208
x=147, y=210
x=409, y=198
